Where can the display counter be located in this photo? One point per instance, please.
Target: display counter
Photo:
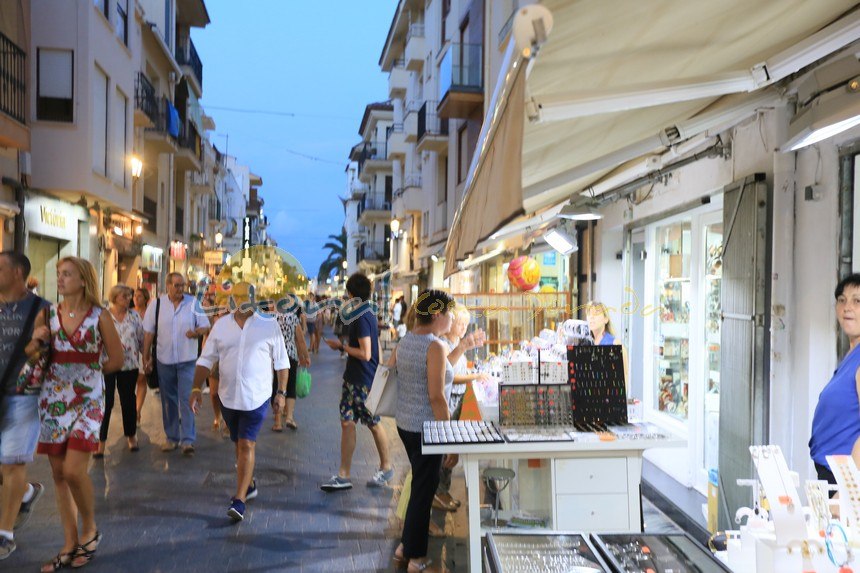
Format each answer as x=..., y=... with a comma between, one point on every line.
x=578, y=480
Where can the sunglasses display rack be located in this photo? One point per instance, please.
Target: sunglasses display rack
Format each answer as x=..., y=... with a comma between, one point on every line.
x=598, y=391
x=461, y=432
x=640, y=553
x=511, y=553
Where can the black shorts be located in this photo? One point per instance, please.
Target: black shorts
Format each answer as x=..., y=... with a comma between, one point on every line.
x=291, y=381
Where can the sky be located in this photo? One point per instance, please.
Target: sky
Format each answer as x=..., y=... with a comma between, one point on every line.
x=316, y=60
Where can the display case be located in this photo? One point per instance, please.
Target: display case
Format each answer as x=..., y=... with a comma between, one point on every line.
x=513, y=553
x=667, y=553
x=713, y=321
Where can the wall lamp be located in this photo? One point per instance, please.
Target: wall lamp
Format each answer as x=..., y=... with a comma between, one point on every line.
x=136, y=167
x=586, y=212
x=561, y=241
x=827, y=115
x=395, y=228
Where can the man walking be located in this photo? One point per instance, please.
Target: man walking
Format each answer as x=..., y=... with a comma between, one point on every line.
x=178, y=331
x=247, y=347
x=362, y=350
x=23, y=333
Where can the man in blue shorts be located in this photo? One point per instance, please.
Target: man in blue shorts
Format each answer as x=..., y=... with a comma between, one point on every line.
x=247, y=347
x=362, y=350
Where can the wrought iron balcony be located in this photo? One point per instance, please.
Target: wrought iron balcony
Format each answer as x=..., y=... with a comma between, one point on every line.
x=13, y=85
x=375, y=251
x=429, y=122
x=186, y=55
x=144, y=97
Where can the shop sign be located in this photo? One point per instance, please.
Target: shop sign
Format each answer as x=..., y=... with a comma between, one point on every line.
x=178, y=251
x=150, y=258
x=213, y=257
x=51, y=217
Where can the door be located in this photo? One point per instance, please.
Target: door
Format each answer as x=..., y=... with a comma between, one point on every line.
x=44, y=253
x=744, y=344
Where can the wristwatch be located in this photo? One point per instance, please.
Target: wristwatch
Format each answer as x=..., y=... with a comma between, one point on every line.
x=282, y=393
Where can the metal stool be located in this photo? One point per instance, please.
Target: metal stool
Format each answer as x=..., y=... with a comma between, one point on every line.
x=496, y=480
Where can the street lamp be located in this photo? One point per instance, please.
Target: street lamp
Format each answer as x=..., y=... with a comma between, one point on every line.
x=344, y=265
x=136, y=167
x=219, y=238
x=395, y=227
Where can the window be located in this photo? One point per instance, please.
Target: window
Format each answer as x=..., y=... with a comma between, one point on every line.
x=122, y=21
x=442, y=182
x=100, y=121
x=168, y=22
x=102, y=5
x=462, y=152
x=119, y=141
x=55, y=72
x=389, y=187
x=446, y=9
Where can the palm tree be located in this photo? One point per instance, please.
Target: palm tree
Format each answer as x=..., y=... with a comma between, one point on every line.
x=336, y=255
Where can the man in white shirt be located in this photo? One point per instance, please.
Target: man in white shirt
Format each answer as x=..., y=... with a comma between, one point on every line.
x=247, y=347
x=179, y=329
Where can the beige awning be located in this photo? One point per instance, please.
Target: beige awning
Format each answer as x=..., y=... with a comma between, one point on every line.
x=619, y=80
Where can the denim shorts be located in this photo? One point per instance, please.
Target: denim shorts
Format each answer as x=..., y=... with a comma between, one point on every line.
x=19, y=428
x=244, y=424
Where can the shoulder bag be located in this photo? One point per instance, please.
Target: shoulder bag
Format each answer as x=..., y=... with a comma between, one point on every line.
x=152, y=377
x=382, y=398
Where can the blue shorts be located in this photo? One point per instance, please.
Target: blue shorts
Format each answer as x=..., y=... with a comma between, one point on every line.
x=311, y=328
x=244, y=424
x=19, y=428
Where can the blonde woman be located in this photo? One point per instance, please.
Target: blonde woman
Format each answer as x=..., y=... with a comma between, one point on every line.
x=71, y=404
x=129, y=326
x=141, y=301
x=603, y=334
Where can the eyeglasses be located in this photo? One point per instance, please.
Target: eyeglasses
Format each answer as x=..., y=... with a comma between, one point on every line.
x=178, y=285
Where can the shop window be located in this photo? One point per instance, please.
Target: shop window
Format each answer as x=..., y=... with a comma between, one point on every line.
x=54, y=89
x=100, y=122
x=673, y=337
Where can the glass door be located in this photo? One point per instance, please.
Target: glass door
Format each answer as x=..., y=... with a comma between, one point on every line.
x=672, y=332
x=713, y=258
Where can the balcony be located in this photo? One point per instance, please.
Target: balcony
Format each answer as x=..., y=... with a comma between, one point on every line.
x=374, y=252
x=189, y=154
x=461, y=87
x=410, y=183
x=432, y=130
x=357, y=189
x=189, y=61
x=416, y=47
x=374, y=207
x=145, y=102
x=215, y=212
x=398, y=80
x=372, y=157
x=13, y=78
x=410, y=120
x=162, y=136
x=396, y=141
x=202, y=182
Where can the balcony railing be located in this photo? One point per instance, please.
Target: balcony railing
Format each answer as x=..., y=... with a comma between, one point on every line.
x=144, y=97
x=215, y=209
x=461, y=69
x=372, y=151
x=188, y=139
x=13, y=70
x=409, y=181
x=186, y=55
x=415, y=31
x=376, y=202
x=429, y=122
x=150, y=210
x=375, y=251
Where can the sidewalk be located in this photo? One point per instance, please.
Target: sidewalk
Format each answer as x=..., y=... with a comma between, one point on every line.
x=164, y=512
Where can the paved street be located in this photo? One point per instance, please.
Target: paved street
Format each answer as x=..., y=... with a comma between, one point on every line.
x=164, y=512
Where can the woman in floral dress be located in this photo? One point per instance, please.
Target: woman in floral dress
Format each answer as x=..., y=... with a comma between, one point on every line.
x=71, y=404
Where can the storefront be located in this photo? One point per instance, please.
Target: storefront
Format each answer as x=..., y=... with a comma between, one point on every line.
x=151, y=261
x=122, y=251
x=54, y=229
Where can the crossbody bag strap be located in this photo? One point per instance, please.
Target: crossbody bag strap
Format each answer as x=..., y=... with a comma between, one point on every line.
x=21, y=343
x=155, y=338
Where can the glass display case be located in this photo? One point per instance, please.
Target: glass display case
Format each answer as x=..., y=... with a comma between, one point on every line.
x=512, y=553
x=713, y=280
x=666, y=553
x=672, y=344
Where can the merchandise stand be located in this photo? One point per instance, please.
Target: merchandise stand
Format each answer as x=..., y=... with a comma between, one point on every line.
x=593, y=478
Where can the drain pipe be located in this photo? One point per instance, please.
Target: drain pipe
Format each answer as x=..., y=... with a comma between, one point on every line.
x=18, y=241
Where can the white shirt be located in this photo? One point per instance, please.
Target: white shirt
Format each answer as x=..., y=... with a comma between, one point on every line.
x=396, y=312
x=173, y=322
x=246, y=357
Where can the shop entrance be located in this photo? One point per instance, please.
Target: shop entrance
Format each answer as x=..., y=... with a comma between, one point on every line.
x=44, y=253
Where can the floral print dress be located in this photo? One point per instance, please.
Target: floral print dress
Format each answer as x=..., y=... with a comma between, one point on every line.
x=71, y=403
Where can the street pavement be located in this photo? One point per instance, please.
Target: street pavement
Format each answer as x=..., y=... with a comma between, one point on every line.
x=165, y=512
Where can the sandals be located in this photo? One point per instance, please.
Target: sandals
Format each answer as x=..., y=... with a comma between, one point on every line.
x=423, y=566
x=82, y=555
x=291, y=424
x=277, y=428
x=61, y=561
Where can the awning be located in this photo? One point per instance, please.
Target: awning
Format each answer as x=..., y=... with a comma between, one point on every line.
x=635, y=78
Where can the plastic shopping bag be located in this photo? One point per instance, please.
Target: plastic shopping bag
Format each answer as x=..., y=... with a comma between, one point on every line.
x=303, y=383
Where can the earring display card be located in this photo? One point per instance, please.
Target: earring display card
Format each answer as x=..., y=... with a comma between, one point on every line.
x=553, y=372
x=535, y=405
x=542, y=553
x=519, y=373
x=598, y=393
x=638, y=553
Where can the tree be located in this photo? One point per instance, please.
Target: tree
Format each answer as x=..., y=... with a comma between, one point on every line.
x=336, y=255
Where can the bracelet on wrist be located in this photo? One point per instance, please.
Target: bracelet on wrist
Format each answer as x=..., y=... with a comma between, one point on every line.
x=281, y=393
x=193, y=390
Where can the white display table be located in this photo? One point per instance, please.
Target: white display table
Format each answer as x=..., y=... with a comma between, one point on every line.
x=593, y=484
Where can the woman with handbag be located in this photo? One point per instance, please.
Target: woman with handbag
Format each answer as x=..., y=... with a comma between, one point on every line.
x=290, y=321
x=129, y=326
x=141, y=301
x=71, y=404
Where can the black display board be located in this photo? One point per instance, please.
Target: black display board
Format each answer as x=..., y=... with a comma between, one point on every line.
x=598, y=393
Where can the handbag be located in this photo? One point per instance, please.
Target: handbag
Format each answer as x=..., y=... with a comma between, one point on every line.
x=152, y=377
x=303, y=383
x=382, y=398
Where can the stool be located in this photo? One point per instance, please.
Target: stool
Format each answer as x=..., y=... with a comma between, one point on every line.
x=496, y=480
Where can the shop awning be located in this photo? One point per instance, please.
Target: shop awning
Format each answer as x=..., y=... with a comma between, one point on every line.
x=619, y=80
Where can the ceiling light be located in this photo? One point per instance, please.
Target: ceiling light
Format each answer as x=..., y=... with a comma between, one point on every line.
x=434, y=258
x=580, y=213
x=561, y=241
x=828, y=115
